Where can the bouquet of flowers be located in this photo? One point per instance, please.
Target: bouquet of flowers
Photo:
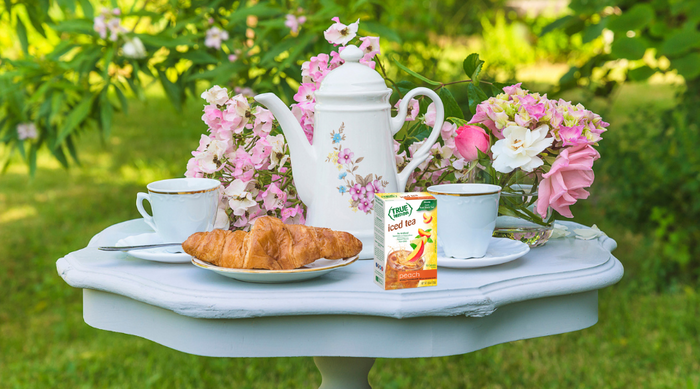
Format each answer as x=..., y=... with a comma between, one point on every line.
x=514, y=137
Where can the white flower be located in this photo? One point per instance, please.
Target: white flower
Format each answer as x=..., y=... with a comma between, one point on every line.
x=216, y=95
x=222, y=221
x=241, y=197
x=340, y=34
x=210, y=160
x=27, y=131
x=134, y=48
x=560, y=231
x=588, y=233
x=519, y=148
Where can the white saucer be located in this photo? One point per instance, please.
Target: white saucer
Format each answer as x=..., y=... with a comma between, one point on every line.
x=501, y=250
x=173, y=254
x=312, y=270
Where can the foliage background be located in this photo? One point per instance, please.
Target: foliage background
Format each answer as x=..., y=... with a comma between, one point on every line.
x=645, y=194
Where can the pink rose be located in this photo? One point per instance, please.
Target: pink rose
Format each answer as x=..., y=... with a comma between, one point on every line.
x=571, y=172
x=469, y=139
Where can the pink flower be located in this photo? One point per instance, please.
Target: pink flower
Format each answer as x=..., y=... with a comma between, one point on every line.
x=100, y=26
x=294, y=22
x=335, y=60
x=430, y=115
x=572, y=136
x=232, y=58
x=345, y=156
x=193, y=169
x=370, y=45
x=318, y=67
x=564, y=184
x=447, y=132
x=260, y=153
x=366, y=205
x=291, y=212
x=274, y=197
x=536, y=111
x=263, y=121
x=378, y=187
x=469, y=139
x=340, y=34
x=357, y=192
x=27, y=131
x=513, y=89
x=412, y=109
x=304, y=112
x=214, y=37
x=367, y=61
x=305, y=94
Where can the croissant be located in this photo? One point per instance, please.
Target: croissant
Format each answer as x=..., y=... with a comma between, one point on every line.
x=271, y=245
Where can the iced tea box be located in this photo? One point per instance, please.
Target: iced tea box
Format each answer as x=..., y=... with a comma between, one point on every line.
x=405, y=240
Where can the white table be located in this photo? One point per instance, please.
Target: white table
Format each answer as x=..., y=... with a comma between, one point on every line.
x=342, y=319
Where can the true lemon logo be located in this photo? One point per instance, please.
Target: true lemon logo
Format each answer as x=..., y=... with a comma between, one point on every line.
x=402, y=211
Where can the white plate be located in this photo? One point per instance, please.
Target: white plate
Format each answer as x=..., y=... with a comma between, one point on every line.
x=312, y=270
x=173, y=254
x=501, y=250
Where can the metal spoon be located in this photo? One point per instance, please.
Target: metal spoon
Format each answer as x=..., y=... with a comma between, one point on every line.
x=139, y=247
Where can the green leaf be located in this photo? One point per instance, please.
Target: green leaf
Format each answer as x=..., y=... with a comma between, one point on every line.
x=172, y=89
x=472, y=66
x=593, y=31
x=109, y=54
x=200, y=57
x=88, y=10
x=413, y=246
x=122, y=100
x=414, y=74
x=106, y=113
x=71, y=149
x=557, y=24
x=687, y=66
x=636, y=18
x=405, y=86
x=22, y=35
x=259, y=9
x=381, y=30
x=680, y=42
x=457, y=121
x=429, y=240
x=452, y=109
x=74, y=118
x=36, y=19
x=641, y=73
x=158, y=41
x=32, y=159
x=276, y=50
x=628, y=48
x=78, y=26
x=476, y=96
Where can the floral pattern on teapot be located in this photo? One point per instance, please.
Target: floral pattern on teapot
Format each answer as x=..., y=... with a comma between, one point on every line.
x=361, y=189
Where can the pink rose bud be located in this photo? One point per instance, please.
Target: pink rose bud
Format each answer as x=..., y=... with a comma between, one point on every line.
x=469, y=139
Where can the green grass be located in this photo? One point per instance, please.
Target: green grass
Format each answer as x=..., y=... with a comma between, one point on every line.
x=642, y=340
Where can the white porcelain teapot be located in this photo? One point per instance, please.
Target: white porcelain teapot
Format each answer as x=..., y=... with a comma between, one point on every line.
x=352, y=155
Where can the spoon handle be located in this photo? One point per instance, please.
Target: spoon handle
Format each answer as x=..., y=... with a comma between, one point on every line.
x=140, y=247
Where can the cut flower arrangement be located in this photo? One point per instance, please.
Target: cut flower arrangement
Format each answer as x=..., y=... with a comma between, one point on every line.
x=513, y=137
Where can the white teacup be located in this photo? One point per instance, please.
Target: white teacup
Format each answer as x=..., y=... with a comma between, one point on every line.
x=181, y=207
x=466, y=217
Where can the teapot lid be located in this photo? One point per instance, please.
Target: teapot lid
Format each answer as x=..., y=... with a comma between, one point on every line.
x=352, y=76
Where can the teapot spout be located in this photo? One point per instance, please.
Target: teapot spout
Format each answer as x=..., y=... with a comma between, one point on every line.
x=302, y=154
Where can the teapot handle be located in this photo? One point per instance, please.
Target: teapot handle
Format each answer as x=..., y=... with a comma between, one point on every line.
x=424, y=151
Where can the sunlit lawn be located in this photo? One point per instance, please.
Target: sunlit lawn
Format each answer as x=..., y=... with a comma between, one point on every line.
x=641, y=340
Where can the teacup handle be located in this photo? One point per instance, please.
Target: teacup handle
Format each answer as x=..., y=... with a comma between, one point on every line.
x=140, y=197
x=424, y=151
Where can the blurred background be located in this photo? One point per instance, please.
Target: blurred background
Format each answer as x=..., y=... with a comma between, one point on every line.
x=112, y=89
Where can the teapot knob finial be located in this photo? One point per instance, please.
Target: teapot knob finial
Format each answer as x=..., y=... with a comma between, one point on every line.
x=352, y=53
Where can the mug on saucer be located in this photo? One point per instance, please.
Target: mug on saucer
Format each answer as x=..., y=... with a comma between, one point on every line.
x=466, y=217
x=181, y=207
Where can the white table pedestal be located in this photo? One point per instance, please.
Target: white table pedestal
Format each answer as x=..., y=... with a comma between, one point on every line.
x=344, y=372
x=341, y=319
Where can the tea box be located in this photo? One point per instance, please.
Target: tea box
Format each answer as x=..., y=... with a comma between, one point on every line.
x=405, y=240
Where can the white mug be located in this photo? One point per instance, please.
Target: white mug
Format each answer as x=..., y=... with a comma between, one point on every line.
x=181, y=207
x=466, y=217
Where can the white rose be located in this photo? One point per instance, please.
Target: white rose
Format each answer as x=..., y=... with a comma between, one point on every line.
x=519, y=148
x=216, y=95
